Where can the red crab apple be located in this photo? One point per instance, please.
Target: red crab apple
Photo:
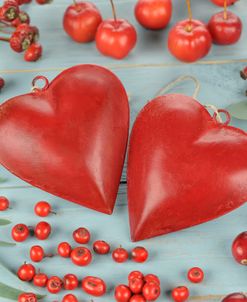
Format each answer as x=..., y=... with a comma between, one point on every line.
x=225, y=28
x=221, y=2
x=236, y=297
x=153, y=14
x=81, y=21
x=115, y=37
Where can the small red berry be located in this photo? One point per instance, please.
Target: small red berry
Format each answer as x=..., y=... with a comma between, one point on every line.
x=2, y=83
x=37, y=253
x=81, y=236
x=101, y=247
x=42, y=230
x=54, y=285
x=94, y=286
x=81, y=256
x=243, y=73
x=196, y=275
x=42, y=208
x=26, y=272
x=40, y=280
x=33, y=52
x=4, y=203
x=137, y=298
x=122, y=293
x=9, y=11
x=69, y=298
x=64, y=249
x=239, y=248
x=43, y=1
x=27, y=297
x=151, y=291
x=120, y=255
x=23, y=17
x=139, y=254
x=180, y=294
x=20, y=232
x=152, y=278
x=136, y=285
x=135, y=274
x=236, y=297
x=70, y=282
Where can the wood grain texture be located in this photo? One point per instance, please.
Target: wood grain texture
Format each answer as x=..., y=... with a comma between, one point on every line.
x=143, y=73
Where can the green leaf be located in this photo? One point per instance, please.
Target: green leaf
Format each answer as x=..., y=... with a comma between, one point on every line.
x=4, y=222
x=238, y=110
x=11, y=293
x=6, y=244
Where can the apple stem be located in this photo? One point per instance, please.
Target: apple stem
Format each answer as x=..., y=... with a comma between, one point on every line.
x=4, y=39
x=225, y=9
x=189, y=28
x=113, y=10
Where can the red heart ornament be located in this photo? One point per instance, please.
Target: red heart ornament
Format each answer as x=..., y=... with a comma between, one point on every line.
x=70, y=137
x=184, y=167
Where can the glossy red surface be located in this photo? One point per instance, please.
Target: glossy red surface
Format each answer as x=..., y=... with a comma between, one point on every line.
x=184, y=168
x=70, y=138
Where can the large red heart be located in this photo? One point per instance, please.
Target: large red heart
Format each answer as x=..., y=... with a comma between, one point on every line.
x=69, y=138
x=184, y=167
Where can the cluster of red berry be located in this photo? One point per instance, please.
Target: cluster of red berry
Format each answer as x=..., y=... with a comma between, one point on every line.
x=15, y=25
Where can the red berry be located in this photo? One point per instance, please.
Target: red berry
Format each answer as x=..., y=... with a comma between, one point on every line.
x=137, y=298
x=54, y=285
x=70, y=282
x=122, y=293
x=43, y=1
x=27, y=297
x=221, y=2
x=139, y=254
x=81, y=256
x=64, y=249
x=236, y=297
x=37, y=253
x=2, y=83
x=225, y=30
x=180, y=294
x=4, y=203
x=42, y=208
x=243, y=73
x=33, y=52
x=120, y=255
x=239, y=248
x=152, y=278
x=81, y=236
x=136, y=285
x=81, y=21
x=151, y=291
x=42, y=230
x=23, y=17
x=196, y=275
x=40, y=280
x=189, y=41
x=135, y=274
x=153, y=14
x=94, y=286
x=9, y=11
x=26, y=272
x=101, y=247
x=116, y=38
x=69, y=298
x=20, y=232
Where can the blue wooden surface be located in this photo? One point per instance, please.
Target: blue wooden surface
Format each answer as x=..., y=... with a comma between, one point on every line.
x=143, y=73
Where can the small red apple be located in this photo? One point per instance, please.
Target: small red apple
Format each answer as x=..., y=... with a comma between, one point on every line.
x=189, y=40
x=225, y=28
x=236, y=297
x=221, y=2
x=153, y=14
x=81, y=21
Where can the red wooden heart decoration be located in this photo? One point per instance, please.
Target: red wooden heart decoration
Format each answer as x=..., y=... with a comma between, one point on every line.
x=184, y=167
x=69, y=138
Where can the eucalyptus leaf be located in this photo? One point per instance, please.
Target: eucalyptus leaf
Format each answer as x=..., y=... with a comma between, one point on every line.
x=6, y=244
x=11, y=293
x=238, y=110
x=4, y=222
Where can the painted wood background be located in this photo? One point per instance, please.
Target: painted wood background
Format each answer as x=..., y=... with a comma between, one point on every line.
x=143, y=73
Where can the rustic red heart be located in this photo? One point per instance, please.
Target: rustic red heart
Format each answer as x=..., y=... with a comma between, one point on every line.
x=70, y=137
x=184, y=167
